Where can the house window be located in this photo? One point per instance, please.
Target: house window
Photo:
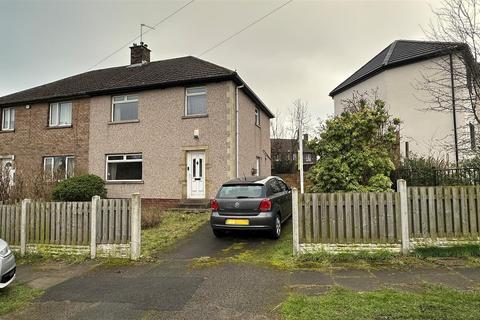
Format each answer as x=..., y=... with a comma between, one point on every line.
x=308, y=157
x=7, y=171
x=8, y=119
x=60, y=114
x=257, y=117
x=124, y=167
x=195, y=101
x=58, y=168
x=124, y=108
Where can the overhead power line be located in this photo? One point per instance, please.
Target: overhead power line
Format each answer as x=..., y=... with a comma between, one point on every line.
x=245, y=28
x=137, y=37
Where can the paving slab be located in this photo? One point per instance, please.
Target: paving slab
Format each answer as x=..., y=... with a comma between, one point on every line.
x=453, y=280
x=310, y=278
x=361, y=284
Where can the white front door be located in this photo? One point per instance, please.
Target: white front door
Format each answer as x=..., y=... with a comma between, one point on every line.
x=196, y=175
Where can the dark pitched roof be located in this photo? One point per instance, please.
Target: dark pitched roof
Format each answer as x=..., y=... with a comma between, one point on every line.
x=398, y=53
x=157, y=74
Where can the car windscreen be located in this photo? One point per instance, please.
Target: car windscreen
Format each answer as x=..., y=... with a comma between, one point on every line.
x=241, y=191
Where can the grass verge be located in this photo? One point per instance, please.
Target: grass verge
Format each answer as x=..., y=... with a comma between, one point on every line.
x=433, y=302
x=174, y=226
x=279, y=254
x=39, y=257
x=457, y=251
x=16, y=297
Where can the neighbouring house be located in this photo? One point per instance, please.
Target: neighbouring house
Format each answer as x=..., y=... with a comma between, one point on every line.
x=285, y=153
x=411, y=76
x=172, y=129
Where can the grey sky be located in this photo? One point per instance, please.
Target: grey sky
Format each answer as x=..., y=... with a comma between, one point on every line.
x=302, y=51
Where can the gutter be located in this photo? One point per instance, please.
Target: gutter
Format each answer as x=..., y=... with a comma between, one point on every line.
x=237, y=131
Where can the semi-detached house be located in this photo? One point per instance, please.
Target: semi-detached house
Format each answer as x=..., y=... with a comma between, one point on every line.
x=172, y=129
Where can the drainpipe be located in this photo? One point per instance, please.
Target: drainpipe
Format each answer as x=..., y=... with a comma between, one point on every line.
x=454, y=111
x=237, y=131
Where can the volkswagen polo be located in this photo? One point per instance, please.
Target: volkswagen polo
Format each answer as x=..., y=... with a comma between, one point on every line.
x=254, y=203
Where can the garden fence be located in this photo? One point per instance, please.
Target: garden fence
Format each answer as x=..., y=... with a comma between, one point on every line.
x=69, y=227
x=388, y=220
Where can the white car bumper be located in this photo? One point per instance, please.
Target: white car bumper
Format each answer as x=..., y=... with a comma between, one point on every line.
x=7, y=270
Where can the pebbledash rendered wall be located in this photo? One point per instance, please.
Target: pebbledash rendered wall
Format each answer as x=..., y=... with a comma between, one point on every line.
x=164, y=136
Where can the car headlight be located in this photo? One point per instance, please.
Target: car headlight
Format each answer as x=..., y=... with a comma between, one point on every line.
x=5, y=251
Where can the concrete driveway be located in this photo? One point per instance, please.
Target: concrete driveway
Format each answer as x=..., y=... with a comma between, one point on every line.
x=172, y=289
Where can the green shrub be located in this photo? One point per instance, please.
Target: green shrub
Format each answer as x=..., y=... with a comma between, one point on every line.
x=80, y=188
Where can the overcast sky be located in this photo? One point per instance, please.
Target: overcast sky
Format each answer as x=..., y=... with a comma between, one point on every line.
x=302, y=51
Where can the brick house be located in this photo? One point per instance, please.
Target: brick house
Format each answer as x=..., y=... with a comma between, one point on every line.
x=172, y=129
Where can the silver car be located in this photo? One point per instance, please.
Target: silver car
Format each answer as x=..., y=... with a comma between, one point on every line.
x=7, y=265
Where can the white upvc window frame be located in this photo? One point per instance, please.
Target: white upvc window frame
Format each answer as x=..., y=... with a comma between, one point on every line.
x=127, y=98
x=59, y=105
x=11, y=119
x=124, y=155
x=204, y=93
x=257, y=117
x=4, y=160
x=68, y=160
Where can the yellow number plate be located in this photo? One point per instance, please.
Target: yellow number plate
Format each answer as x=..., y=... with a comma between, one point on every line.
x=243, y=222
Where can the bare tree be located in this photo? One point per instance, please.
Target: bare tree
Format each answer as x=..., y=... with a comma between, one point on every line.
x=277, y=127
x=360, y=98
x=452, y=82
x=299, y=114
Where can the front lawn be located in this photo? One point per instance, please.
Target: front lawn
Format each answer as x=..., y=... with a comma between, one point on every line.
x=173, y=226
x=432, y=302
x=16, y=296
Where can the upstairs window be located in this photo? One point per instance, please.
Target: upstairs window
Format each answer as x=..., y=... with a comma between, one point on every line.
x=124, y=108
x=60, y=114
x=196, y=101
x=257, y=117
x=8, y=119
x=58, y=168
x=124, y=167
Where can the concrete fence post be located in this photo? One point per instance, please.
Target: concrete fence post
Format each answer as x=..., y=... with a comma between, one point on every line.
x=93, y=226
x=405, y=234
x=136, y=226
x=23, y=226
x=296, y=236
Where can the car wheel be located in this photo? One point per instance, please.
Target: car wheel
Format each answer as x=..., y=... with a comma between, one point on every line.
x=277, y=228
x=218, y=233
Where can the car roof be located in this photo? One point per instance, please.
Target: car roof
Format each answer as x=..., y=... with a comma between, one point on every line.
x=250, y=180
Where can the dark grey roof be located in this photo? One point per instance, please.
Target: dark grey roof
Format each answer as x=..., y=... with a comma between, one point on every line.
x=398, y=53
x=157, y=74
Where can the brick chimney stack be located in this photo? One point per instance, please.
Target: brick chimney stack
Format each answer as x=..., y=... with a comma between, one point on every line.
x=139, y=53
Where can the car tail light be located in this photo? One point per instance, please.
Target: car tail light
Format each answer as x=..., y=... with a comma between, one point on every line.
x=265, y=205
x=214, y=205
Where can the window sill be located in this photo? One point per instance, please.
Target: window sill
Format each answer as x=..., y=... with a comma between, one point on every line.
x=125, y=182
x=123, y=122
x=7, y=131
x=60, y=127
x=194, y=116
